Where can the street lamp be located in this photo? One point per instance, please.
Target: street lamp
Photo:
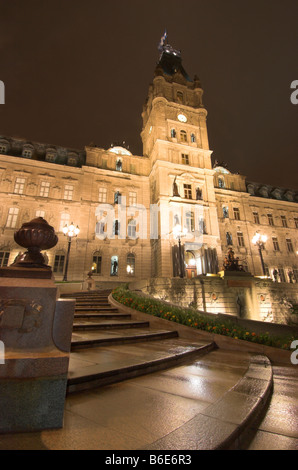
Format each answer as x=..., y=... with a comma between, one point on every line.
x=178, y=233
x=260, y=240
x=70, y=232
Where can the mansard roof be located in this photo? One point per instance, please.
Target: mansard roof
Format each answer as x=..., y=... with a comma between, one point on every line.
x=271, y=192
x=15, y=147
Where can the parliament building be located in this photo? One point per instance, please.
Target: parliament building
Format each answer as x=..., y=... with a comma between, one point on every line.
x=175, y=213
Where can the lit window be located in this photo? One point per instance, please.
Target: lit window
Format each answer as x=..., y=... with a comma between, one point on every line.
x=59, y=264
x=130, y=264
x=40, y=214
x=256, y=217
x=185, y=159
x=100, y=228
x=19, y=186
x=289, y=245
x=236, y=213
x=132, y=199
x=183, y=136
x=275, y=244
x=102, y=195
x=284, y=221
x=240, y=239
x=187, y=191
x=44, y=189
x=65, y=218
x=68, y=192
x=96, y=263
x=4, y=257
x=270, y=219
x=132, y=229
x=12, y=217
x=189, y=221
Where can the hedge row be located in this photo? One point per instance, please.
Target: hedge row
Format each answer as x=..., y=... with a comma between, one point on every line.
x=194, y=319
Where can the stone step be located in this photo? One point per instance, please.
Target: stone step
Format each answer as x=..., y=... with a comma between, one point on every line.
x=109, y=324
x=105, y=366
x=92, y=304
x=93, y=339
x=102, y=316
x=108, y=308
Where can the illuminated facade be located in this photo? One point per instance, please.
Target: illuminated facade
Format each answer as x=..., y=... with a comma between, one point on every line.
x=173, y=184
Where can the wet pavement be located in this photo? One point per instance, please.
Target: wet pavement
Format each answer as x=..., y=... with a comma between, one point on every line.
x=133, y=414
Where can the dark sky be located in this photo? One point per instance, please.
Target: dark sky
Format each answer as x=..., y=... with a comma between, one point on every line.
x=78, y=72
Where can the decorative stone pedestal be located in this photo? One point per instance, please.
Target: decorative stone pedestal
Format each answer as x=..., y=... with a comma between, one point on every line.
x=35, y=329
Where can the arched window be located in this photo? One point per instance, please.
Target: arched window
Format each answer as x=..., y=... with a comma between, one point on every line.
x=183, y=136
x=130, y=264
x=114, y=266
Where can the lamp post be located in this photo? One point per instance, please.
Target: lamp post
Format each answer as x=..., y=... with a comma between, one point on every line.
x=178, y=234
x=259, y=241
x=70, y=232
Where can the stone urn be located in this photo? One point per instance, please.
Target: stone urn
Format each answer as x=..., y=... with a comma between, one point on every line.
x=36, y=236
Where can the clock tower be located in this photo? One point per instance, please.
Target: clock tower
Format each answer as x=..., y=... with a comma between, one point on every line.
x=175, y=140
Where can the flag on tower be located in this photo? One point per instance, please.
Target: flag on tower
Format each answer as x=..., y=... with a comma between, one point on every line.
x=162, y=40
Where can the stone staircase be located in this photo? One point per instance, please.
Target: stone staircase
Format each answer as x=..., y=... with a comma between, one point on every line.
x=227, y=389
x=99, y=349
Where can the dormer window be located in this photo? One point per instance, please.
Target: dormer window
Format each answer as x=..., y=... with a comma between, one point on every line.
x=4, y=147
x=72, y=159
x=51, y=156
x=27, y=152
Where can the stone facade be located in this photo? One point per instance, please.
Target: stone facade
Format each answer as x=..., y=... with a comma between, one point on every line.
x=174, y=177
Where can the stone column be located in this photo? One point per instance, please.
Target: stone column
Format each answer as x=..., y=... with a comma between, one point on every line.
x=35, y=329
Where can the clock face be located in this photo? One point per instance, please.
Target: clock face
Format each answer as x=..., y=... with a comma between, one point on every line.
x=182, y=118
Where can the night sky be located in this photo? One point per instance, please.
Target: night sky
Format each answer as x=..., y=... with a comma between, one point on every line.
x=78, y=72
